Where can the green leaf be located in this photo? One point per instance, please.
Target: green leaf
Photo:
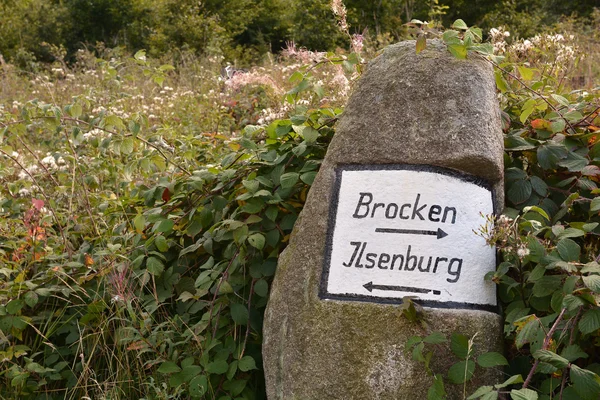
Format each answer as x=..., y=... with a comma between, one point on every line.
x=551, y=358
x=450, y=37
x=482, y=391
x=510, y=381
x=561, y=100
x=573, y=352
x=246, y=363
x=127, y=145
x=595, y=205
x=261, y=288
x=235, y=387
x=459, y=345
x=483, y=48
x=459, y=24
x=20, y=379
x=571, y=233
x=239, y=313
x=14, y=306
x=421, y=43
x=501, y=82
x=155, y=266
x=491, y=359
x=412, y=341
x=519, y=191
x=585, y=382
x=461, y=372
x=571, y=302
x=547, y=285
x=526, y=110
x=435, y=338
x=31, y=298
x=590, y=321
x=308, y=177
x=437, y=390
x=76, y=110
x=523, y=394
x=549, y=154
x=165, y=226
x=198, y=386
x=176, y=380
x=168, y=367
x=528, y=333
x=217, y=367
x=568, y=250
x=591, y=268
x=190, y=371
x=458, y=50
x=557, y=126
x=490, y=396
x=289, y=179
x=574, y=163
x=592, y=282
x=257, y=240
x=140, y=55
x=526, y=73
x=161, y=243
x=539, y=186
x=310, y=134
x=139, y=223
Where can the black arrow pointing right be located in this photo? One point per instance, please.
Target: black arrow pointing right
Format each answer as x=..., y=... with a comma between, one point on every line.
x=439, y=233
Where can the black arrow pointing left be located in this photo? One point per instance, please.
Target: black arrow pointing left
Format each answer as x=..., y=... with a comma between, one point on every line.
x=370, y=286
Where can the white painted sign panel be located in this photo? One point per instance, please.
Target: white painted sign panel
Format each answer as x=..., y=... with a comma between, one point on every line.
x=408, y=230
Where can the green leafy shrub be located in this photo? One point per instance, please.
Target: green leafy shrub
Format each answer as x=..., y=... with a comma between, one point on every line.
x=549, y=279
x=137, y=244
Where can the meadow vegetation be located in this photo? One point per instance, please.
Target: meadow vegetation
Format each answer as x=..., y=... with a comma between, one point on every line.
x=145, y=199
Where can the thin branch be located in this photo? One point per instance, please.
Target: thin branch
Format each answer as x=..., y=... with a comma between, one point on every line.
x=248, y=325
x=541, y=96
x=544, y=347
x=6, y=124
x=60, y=228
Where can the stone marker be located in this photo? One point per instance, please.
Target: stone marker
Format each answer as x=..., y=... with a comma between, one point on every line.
x=415, y=164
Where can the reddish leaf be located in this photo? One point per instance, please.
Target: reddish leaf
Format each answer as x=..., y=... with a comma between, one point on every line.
x=590, y=170
x=166, y=196
x=88, y=260
x=38, y=204
x=540, y=124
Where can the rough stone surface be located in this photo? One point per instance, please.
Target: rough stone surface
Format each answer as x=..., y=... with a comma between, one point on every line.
x=412, y=109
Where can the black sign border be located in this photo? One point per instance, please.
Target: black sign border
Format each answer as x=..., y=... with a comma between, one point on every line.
x=339, y=169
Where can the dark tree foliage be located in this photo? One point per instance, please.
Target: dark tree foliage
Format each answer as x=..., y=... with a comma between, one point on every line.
x=243, y=30
x=315, y=25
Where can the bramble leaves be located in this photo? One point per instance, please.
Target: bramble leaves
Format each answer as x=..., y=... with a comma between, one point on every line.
x=491, y=359
x=462, y=371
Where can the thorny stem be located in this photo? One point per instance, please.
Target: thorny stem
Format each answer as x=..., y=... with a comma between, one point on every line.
x=60, y=228
x=37, y=159
x=541, y=96
x=136, y=137
x=248, y=325
x=158, y=149
x=85, y=192
x=571, y=339
x=212, y=303
x=544, y=347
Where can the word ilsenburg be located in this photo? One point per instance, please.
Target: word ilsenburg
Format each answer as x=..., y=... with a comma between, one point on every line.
x=408, y=261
